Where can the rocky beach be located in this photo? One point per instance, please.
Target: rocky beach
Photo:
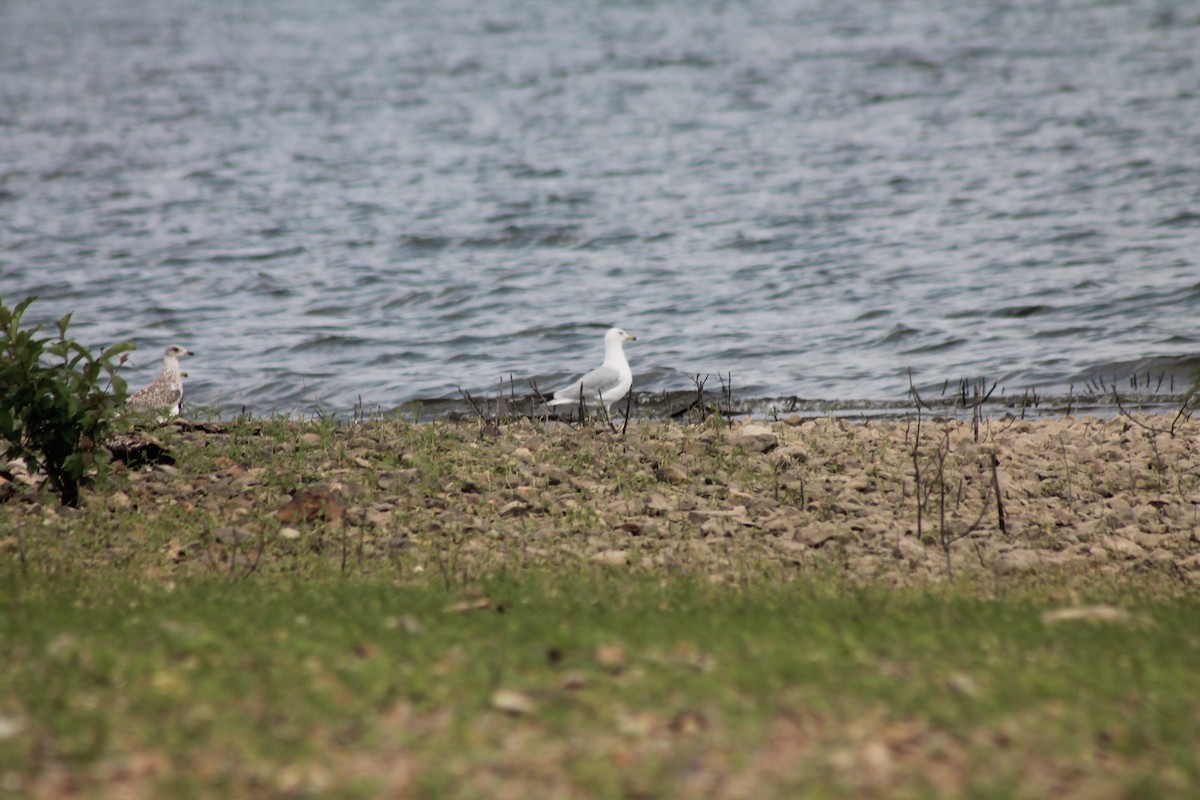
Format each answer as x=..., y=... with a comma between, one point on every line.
x=998, y=499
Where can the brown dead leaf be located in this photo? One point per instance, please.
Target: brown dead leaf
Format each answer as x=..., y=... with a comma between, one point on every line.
x=688, y=723
x=573, y=681
x=514, y=508
x=819, y=533
x=611, y=657
x=512, y=702
x=312, y=504
x=614, y=558
x=672, y=473
x=463, y=606
x=364, y=650
x=1096, y=613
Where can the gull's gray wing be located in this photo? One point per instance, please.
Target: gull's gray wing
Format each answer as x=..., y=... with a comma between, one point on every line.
x=158, y=395
x=595, y=383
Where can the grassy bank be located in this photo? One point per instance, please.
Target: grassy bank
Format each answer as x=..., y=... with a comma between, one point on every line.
x=814, y=608
x=590, y=684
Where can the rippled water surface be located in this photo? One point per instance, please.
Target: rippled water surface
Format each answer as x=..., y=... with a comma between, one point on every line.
x=335, y=201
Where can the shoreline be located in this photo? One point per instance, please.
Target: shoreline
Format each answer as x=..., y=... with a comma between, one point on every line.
x=721, y=610
x=957, y=399
x=1093, y=497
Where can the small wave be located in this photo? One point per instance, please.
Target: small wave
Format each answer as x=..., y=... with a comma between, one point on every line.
x=424, y=242
x=527, y=171
x=267, y=284
x=938, y=347
x=327, y=311
x=1075, y=236
x=330, y=341
x=608, y=240
x=1185, y=219
x=768, y=244
x=526, y=236
x=898, y=333
x=257, y=255
x=1021, y=312
x=400, y=357
x=1074, y=332
x=413, y=298
x=689, y=59
x=1162, y=371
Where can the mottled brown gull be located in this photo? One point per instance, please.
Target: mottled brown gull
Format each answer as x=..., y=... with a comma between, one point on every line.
x=606, y=384
x=165, y=394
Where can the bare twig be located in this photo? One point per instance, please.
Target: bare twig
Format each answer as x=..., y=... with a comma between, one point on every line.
x=474, y=406
x=699, y=383
x=604, y=409
x=916, y=460
x=1184, y=412
x=949, y=539
x=1062, y=447
x=916, y=396
x=262, y=545
x=237, y=545
x=21, y=548
x=726, y=393
x=535, y=398
x=999, y=501
x=628, y=407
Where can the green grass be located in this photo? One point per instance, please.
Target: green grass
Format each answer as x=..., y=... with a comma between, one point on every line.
x=172, y=639
x=640, y=686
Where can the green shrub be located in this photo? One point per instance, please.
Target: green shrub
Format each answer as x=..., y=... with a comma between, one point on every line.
x=54, y=412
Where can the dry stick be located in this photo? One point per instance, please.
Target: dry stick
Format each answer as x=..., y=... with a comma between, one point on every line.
x=916, y=457
x=941, y=479
x=999, y=502
x=726, y=393
x=467, y=396
x=977, y=406
x=344, y=547
x=1184, y=414
x=1062, y=447
x=700, y=395
x=262, y=545
x=604, y=408
x=1141, y=424
x=945, y=536
x=538, y=396
x=969, y=530
x=628, y=406
x=233, y=557
x=443, y=567
x=212, y=562
x=21, y=548
x=917, y=487
x=979, y=555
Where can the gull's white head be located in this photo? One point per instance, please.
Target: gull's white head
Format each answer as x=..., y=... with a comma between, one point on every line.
x=177, y=351
x=617, y=335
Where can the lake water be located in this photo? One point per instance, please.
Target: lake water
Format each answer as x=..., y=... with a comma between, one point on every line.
x=373, y=202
